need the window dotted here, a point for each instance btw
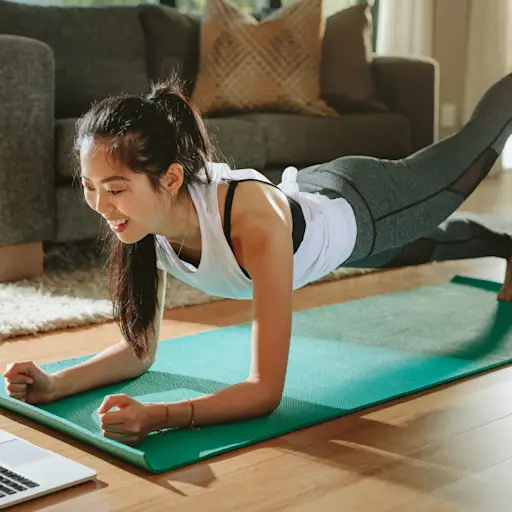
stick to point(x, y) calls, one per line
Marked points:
point(195, 7)
point(84, 3)
point(187, 6)
point(330, 6)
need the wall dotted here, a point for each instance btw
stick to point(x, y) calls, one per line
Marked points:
point(451, 19)
point(451, 22)
point(332, 6)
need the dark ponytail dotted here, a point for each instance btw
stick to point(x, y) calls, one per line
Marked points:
point(146, 135)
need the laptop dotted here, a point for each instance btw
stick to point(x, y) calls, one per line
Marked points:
point(28, 471)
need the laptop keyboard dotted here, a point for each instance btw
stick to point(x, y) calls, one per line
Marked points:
point(11, 483)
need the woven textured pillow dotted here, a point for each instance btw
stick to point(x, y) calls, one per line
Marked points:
point(273, 65)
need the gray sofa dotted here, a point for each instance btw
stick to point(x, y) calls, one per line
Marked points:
point(55, 61)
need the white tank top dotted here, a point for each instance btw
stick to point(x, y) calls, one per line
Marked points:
point(329, 237)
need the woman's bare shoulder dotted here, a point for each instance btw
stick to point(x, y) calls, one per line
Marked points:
point(257, 199)
point(259, 213)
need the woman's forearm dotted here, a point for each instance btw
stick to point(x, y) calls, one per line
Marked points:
point(241, 401)
point(114, 364)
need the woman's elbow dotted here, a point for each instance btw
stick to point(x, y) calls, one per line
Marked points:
point(146, 364)
point(266, 397)
point(271, 400)
point(273, 405)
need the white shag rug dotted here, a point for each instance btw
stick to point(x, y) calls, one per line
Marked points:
point(73, 291)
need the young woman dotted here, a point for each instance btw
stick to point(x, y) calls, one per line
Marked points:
point(146, 169)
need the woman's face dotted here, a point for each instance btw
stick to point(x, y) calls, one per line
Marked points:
point(126, 200)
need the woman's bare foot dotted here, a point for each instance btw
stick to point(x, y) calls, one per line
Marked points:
point(506, 290)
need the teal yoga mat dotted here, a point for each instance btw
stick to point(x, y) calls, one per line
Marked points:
point(343, 357)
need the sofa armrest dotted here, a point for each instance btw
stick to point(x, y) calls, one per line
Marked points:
point(27, 92)
point(409, 85)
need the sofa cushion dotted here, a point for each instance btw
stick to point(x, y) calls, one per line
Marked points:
point(98, 51)
point(302, 140)
point(172, 43)
point(240, 141)
point(346, 79)
point(273, 65)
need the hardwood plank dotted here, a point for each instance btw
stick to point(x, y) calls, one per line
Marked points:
point(485, 491)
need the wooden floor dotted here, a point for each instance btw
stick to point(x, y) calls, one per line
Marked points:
point(447, 450)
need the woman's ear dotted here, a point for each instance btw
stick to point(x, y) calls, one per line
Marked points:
point(173, 179)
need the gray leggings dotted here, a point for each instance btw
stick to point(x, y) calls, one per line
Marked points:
point(405, 208)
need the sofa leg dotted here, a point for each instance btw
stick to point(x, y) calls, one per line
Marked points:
point(22, 261)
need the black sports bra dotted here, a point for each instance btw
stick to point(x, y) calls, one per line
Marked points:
point(298, 219)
